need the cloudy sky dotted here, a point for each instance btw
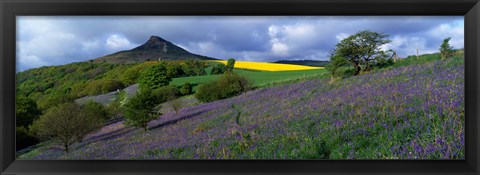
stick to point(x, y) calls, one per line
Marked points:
point(43, 41)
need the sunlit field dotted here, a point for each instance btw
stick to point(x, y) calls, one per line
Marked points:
point(264, 66)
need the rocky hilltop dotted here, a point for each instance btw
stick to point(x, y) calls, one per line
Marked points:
point(155, 48)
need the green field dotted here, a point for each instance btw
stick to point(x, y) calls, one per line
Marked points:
point(260, 78)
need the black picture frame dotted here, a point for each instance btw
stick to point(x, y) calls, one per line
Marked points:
point(9, 9)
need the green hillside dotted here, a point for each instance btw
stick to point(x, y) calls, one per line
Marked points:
point(386, 113)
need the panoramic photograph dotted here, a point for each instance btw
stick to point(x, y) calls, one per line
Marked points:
point(240, 87)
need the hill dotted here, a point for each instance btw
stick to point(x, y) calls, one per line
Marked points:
point(154, 49)
point(304, 62)
point(411, 111)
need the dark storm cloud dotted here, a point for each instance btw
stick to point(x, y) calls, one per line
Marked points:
point(59, 40)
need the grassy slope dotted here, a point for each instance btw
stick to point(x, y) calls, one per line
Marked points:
point(260, 78)
point(414, 111)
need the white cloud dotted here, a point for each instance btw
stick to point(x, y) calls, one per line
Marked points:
point(279, 49)
point(60, 40)
point(286, 40)
point(31, 60)
point(341, 36)
point(90, 45)
point(455, 30)
point(117, 43)
point(205, 48)
point(42, 43)
point(408, 45)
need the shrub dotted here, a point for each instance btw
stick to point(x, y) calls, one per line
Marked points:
point(232, 84)
point(207, 92)
point(186, 89)
point(165, 93)
point(229, 85)
point(65, 124)
point(140, 109)
point(383, 62)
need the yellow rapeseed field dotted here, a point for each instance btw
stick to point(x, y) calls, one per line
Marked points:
point(264, 66)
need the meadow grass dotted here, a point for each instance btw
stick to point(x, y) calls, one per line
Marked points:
point(260, 78)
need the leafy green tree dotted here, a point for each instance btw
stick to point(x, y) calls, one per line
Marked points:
point(445, 49)
point(154, 77)
point(244, 84)
point(361, 49)
point(140, 109)
point(26, 111)
point(65, 124)
point(230, 65)
point(334, 66)
point(230, 84)
point(94, 116)
point(207, 92)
